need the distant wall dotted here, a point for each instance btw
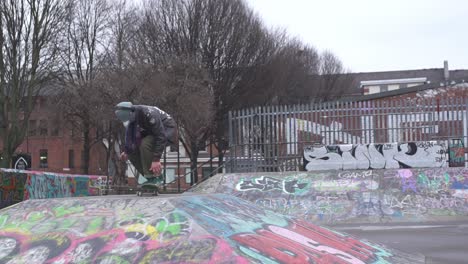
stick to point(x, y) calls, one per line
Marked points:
point(17, 185)
point(353, 196)
point(427, 154)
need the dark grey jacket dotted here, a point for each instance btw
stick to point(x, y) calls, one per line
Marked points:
point(154, 121)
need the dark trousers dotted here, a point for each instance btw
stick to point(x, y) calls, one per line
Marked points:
point(143, 157)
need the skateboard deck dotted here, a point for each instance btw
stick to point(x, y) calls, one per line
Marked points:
point(147, 189)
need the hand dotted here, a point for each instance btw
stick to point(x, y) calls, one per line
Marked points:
point(156, 168)
point(123, 156)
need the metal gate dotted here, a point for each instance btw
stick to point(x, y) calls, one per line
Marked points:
point(272, 138)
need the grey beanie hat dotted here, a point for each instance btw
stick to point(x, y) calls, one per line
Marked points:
point(124, 111)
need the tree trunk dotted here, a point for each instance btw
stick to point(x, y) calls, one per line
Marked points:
point(194, 163)
point(6, 156)
point(86, 147)
point(221, 146)
point(9, 147)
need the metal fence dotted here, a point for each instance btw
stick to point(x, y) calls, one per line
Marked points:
point(272, 138)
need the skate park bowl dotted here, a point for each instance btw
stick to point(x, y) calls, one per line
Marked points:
point(191, 228)
point(229, 218)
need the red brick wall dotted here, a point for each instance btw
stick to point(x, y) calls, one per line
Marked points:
point(58, 146)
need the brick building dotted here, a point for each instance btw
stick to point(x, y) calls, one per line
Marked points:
point(56, 147)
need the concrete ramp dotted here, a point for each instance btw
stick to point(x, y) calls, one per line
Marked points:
point(355, 196)
point(214, 228)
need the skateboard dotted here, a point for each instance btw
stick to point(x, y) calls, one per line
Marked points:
point(147, 188)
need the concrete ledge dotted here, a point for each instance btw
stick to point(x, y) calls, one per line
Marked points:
point(18, 185)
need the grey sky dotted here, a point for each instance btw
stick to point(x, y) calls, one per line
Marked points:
point(377, 35)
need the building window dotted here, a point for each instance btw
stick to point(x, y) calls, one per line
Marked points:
point(71, 159)
point(395, 87)
point(374, 89)
point(32, 128)
point(170, 175)
point(206, 172)
point(383, 88)
point(43, 128)
point(188, 175)
point(43, 158)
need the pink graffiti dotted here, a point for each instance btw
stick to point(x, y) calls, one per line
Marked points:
point(303, 242)
point(116, 243)
point(408, 182)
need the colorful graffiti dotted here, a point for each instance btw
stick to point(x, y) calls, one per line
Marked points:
point(266, 237)
point(354, 196)
point(456, 153)
point(376, 156)
point(193, 229)
point(17, 185)
point(103, 231)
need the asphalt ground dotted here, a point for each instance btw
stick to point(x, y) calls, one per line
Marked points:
point(444, 243)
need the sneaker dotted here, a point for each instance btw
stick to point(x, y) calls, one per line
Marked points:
point(154, 180)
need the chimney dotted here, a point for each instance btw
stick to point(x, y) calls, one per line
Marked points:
point(446, 71)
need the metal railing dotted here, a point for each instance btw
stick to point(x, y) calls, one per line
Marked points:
point(272, 138)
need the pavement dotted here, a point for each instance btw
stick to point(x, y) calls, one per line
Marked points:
point(441, 243)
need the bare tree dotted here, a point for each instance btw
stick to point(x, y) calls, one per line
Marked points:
point(119, 80)
point(235, 43)
point(28, 62)
point(85, 44)
point(333, 79)
point(186, 94)
point(241, 57)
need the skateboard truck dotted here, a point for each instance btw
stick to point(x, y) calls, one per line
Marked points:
point(146, 187)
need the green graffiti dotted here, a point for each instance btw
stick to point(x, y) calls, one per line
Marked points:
point(35, 216)
point(95, 225)
point(113, 259)
point(434, 185)
point(174, 224)
point(67, 223)
point(381, 254)
point(62, 211)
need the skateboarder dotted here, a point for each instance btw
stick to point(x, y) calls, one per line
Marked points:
point(148, 131)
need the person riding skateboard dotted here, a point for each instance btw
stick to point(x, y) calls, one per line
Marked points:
point(148, 130)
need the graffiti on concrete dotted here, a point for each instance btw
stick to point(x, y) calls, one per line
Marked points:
point(271, 238)
point(105, 231)
point(11, 188)
point(376, 156)
point(368, 196)
point(17, 185)
point(197, 229)
point(291, 186)
point(456, 153)
point(47, 185)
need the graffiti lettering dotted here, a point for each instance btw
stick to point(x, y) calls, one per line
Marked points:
point(263, 183)
point(375, 156)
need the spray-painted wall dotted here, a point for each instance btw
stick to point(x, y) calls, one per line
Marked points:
point(17, 185)
point(194, 229)
point(353, 196)
point(376, 156)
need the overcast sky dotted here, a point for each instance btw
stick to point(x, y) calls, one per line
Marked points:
point(377, 35)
